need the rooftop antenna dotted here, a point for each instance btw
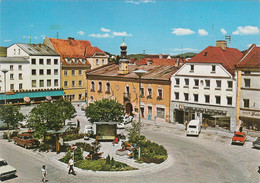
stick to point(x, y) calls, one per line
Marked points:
point(227, 37)
point(57, 35)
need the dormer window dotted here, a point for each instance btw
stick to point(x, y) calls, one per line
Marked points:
point(68, 60)
point(83, 61)
point(14, 51)
point(191, 68)
point(76, 61)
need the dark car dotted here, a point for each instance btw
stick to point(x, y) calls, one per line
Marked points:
point(256, 143)
point(26, 140)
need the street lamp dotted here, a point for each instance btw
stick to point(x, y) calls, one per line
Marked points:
point(5, 71)
point(139, 73)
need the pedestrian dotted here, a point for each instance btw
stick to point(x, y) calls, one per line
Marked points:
point(78, 123)
point(44, 173)
point(70, 166)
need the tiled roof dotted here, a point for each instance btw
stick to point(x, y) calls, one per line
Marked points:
point(251, 58)
point(228, 57)
point(157, 61)
point(154, 72)
point(37, 50)
point(13, 60)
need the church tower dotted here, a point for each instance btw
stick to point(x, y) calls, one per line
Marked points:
point(123, 62)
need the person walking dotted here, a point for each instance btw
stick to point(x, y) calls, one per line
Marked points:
point(70, 166)
point(44, 173)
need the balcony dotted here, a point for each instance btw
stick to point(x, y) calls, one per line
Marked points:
point(149, 96)
point(159, 97)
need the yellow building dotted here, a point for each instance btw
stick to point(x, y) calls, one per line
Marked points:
point(77, 56)
point(121, 83)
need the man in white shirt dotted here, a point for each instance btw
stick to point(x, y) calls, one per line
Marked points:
point(71, 164)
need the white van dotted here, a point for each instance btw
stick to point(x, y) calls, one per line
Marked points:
point(194, 128)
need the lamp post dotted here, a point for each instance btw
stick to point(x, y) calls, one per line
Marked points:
point(139, 73)
point(5, 71)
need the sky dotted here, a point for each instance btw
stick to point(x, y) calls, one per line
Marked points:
point(168, 27)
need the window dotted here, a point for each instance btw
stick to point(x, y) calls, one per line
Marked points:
point(177, 81)
point(186, 82)
point(196, 82)
point(55, 61)
point(191, 68)
point(56, 72)
point(99, 87)
point(160, 112)
point(80, 96)
point(19, 51)
point(80, 82)
point(65, 72)
point(177, 96)
point(186, 96)
point(196, 97)
point(73, 83)
point(65, 83)
point(12, 76)
point(48, 82)
point(246, 103)
point(20, 76)
point(91, 98)
point(68, 60)
point(160, 92)
point(218, 83)
point(207, 98)
point(14, 51)
point(207, 83)
point(20, 86)
point(20, 67)
point(41, 72)
point(229, 100)
point(33, 83)
point(103, 62)
point(33, 61)
point(11, 67)
point(73, 72)
point(149, 91)
point(80, 72)
point(92, 86)
point(48, 71)
point(56, 82)
point(11, 86)
point(213, 68)
point(41, 83)
point(83, 61)
point(230, 84)
point(41, 61)
point(108, 88)
point(97, 62)
point(217, 99)
point(76, 61)
point(247, 83)
point(142, 92)
point(48, 61)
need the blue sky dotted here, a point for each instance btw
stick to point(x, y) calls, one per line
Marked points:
point(169, 27)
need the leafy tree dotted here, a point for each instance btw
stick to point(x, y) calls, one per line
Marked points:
point(50, 116)
point(105, 110)
point(10, 115)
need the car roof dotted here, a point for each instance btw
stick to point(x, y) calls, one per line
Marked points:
point(194, 122)
point(240, 133)
point(2, 159)
point(24, 134)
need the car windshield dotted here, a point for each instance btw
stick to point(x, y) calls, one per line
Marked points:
point(192, 126)
point(3, 163)
point(237, 135)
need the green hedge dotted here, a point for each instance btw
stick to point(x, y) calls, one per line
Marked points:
point(74, 136)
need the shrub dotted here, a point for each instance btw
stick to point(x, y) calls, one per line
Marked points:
point(108, 160)
point(85, 146)
point(112, 161)
point(74, 136)
point(77, 155)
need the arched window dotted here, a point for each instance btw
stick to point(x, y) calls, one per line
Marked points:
point(100, 87)
point(92, 86)
point(108, 88)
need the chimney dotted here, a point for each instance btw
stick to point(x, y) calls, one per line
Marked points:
point(70, 38)
point(160, 56)
point(221, 44)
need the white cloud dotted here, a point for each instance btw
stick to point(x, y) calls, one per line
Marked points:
point(105, 30)
point(121, 34)
point(223, 31)
point(7, 40)
point(203, 32)
point(246, 30)
point(139, 1)
point(182, 31)
point(81, 33)
point(106, 35)
point(43, 36)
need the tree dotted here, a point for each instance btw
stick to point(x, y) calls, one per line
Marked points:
point(105, 110)
point(50, 116)
point(10, 115)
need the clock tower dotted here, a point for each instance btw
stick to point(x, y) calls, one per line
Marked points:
point(123, 62)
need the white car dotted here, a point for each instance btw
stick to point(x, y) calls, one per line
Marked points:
point(127, 119)
point(120, 125)
point(6, 170)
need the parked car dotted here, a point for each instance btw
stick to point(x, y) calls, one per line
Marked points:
point(127, 119)
point(72, 124)
point(120, 125)
point(6, 170)
point(256, 143)
point(26, 140)
point(239, 138)
point(194, 128)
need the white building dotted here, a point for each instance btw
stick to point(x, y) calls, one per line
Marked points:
point(204, 88)
point(45, 65)
point(248, 104)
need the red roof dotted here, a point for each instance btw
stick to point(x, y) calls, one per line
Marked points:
point(251, 58)
point(228, 57)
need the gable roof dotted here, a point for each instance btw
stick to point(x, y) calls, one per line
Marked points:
point(158, 61)
point(37, 49)
point(228, 57)
point(251, 58)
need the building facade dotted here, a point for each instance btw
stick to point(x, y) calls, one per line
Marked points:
point(77, 56)
point(204, 88)
point(248, 100)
